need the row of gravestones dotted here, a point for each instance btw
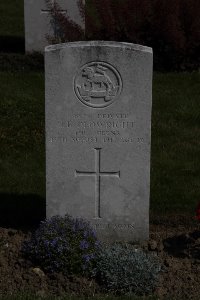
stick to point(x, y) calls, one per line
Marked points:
point(98, 125)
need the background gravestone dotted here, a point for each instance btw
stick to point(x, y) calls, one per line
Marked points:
point(98, 120)
point(37, 21)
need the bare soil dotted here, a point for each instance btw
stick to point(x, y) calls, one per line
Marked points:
point(175, 239)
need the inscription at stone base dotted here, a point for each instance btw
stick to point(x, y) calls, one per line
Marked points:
point(114, 226)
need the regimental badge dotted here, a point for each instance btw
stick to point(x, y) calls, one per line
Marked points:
point(97, 84)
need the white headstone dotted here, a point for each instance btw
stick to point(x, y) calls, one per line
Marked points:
point(38, 25)
point(98, 121)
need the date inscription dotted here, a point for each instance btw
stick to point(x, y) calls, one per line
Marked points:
point(103, 128)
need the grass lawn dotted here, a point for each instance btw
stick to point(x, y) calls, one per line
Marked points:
point(22, 133)
point(12, 18)
point(22, 151)
point(12, 26)
point(175, 170)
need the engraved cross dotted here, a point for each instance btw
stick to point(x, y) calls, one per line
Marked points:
point(97, 174)
point(46, 11)
point(53, 21)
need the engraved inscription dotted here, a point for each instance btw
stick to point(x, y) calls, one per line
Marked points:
point(103, 116)
point(97, 84)
point(94, 139)
point(102, 226)
point(99, 129)
point(97, 174)
point(97, 124)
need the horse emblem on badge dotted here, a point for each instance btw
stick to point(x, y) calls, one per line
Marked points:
point(97, 84)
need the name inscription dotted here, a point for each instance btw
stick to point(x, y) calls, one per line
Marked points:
point(106, 128)
point(97, 124)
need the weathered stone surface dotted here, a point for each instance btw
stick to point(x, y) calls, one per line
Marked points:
point(98, 120)
point(37, 22)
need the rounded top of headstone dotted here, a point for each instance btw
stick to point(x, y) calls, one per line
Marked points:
point(127, 46)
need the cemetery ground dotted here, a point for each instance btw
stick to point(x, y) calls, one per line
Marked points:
point(175, 174)
point(174, 234)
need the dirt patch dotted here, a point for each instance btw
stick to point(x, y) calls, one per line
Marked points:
point(178, 247)
point(175, 240)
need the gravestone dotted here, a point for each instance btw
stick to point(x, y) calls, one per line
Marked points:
point(38, 25)
point(98, 120)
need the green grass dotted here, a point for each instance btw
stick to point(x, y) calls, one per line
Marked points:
point(175, 170)
point(12, 18)
point(22, 154)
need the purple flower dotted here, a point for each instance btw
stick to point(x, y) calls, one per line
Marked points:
point(93, 233)
point(86, 234)
point(86, 258)
point(84, 245)
point(97, 244)
point(54, 243)
point(57, 243)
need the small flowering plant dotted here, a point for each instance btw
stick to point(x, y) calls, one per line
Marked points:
point(63, 244)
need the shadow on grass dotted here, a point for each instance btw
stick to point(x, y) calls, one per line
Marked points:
point(12, 44)
point(21, 211)
point(17, 62)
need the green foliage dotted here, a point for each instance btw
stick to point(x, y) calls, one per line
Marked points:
point(63, 244)
point(126, 270)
